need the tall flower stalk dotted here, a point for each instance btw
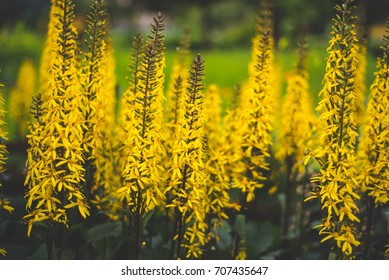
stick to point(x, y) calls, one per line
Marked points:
point(107, 177)
point(47, 62)
point(255, 118)
point(20, 97)
point(361, 63)
point(4, 202)
point(217, 199)
point(142, 147)
point(99, 107)
point(175, 97)
point(373, 153)
point(187, 180)
point(55, 171)
point(336, 184)
point(297, 126)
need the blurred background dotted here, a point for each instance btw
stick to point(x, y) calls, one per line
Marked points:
point(219, 28)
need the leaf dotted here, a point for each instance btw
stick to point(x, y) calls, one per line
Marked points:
point(240, 225)
point(386, 213)
point(272, 255)
point(224, 234)
point(3, 227)
point(99, 232)
point(40, 253)
point(146, 218)
point(332, 256)
point(259, 246)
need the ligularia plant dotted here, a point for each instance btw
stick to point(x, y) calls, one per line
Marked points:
point(142, 122)
point(4, 202)
point(55, 163)
point(336, 184)
point(187, 180)
point(374, 146)
point(20, 97)
point(187, 172)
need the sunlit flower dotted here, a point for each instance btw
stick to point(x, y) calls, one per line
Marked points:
point(21, 95)
point(187, 178)
point(336, 179)
point(55, 170)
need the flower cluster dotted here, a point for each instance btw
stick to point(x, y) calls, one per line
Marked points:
point(4, 203)
point(187, 180)
point(21, 95)
point(336, 180)
point(256, 120)
point(172, 170)
point(296, 130)
point(374, 157)
point(55, 160)
point(142, 123)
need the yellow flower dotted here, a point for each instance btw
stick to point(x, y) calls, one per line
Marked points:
point(256, 111)
point(336, 183)
point(55, 170)
point(3, 133)
point(141, 127)
point(346, 240)
point(373, 153)
point(3, 252)
point(21, 95)
point(98, 80)
point(4, 203)
point(187, 178)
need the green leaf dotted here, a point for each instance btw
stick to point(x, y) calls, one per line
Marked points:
point(40, 253)
point(386, 213)
point(240, 225)
point(224, 233)
point(99, 232)
point(3, 227)
point(332, 256)
point(259, 246)
point(146, 218)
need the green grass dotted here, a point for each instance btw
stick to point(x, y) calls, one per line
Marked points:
point(17, 44)
point(226, 68)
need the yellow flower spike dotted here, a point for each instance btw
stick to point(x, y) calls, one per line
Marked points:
point(21, 95)
point(98, 80)
point(57, 112)
point(141, 127)
point(188, 192)
point(373, 154)
point(4, 203)
point(256, 107)
point(337, 110)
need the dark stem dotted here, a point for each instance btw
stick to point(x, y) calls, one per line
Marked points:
point(289, 186)
point(180, 230)
point(49, 242)
point(370, 210)
point(179, 233)
point(137, 225)
point(305, 185)
point(235, 235)
point(174, 233)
